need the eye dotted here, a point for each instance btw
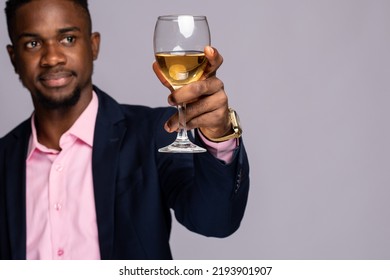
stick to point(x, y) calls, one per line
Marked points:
point(68, 40)
point(32, 44)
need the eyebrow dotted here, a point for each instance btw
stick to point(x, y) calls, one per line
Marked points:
point(69, 29)
point(60, 31)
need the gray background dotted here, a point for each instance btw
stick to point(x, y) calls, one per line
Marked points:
point(310, 80)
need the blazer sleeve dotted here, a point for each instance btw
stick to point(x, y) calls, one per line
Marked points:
point(208, 196)
point(4, 241)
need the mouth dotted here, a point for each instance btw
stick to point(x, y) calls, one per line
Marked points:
point(56, 79)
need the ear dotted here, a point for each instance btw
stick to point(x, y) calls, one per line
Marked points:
point(95, 44)
point(11, 53)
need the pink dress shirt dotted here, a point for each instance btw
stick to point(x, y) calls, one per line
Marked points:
point(60, 205)
point(61, 216)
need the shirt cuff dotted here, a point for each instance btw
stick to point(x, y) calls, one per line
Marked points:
point(221, 150)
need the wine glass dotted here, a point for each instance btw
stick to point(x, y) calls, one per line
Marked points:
point(179, 42)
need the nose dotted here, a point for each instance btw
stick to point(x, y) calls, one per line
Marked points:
point(52, 55)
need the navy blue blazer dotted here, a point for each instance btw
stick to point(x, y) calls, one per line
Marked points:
point(134, 185)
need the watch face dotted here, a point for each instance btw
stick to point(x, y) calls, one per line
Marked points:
point(235, 119)
point(235, 123)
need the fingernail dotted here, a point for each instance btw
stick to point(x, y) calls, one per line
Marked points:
point(166, 127)
point(170, 101)
point(211, 50)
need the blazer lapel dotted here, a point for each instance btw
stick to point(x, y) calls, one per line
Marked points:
point(109, 132)
point(16, 191)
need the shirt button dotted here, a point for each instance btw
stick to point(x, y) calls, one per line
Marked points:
point(60, 252)
point(59, 168)
point(57, 206)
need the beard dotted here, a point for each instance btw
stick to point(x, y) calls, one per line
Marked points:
point(53, 104)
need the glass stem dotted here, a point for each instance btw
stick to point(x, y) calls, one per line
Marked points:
point(182, 133)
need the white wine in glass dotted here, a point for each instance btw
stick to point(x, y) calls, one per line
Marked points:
point(179, 42)
point(181, 68)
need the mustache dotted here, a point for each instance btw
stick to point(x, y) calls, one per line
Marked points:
point(54, 74)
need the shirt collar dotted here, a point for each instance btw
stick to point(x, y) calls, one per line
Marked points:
point(84, 126)
point(83, 129)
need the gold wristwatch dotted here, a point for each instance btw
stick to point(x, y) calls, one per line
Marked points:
point(237, 130)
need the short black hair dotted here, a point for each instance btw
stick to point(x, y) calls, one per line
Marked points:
point(12, 5)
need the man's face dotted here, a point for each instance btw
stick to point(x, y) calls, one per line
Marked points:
point(53, 51)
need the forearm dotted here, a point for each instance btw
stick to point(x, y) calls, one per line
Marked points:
point(214, 205)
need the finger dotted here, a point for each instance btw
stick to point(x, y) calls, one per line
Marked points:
point(217, 123)
point(195, 91)
point(160, 76)
point(209, 111)
point(215, 60)
point(172, 124)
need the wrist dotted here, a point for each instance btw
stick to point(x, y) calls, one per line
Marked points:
point(234, 129)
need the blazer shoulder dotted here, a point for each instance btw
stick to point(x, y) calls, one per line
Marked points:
point(22, 130)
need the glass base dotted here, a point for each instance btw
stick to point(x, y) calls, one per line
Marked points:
point(182, 147)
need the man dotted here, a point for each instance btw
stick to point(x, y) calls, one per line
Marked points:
point(82, 178)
